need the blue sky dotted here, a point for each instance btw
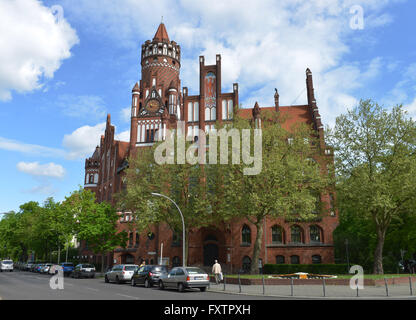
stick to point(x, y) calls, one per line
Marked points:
point(65, 64)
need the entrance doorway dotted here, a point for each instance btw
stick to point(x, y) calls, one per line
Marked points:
point(127, 259)
point(210, 250)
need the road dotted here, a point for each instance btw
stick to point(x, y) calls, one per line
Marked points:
point(33, 286)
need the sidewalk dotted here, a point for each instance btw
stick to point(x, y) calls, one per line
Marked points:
point(317, 292)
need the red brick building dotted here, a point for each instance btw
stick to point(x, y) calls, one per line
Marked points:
point(157, 105)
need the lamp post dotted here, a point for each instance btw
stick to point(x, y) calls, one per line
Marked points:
point(183, 225)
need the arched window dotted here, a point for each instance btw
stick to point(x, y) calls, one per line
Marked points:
point(315, 234)
point(280, 259)
point(277, 234)
point(176, 262)
point(246, 235)
point(294, 260)
point(296, 235)
point(246, 264)
point(316, 259)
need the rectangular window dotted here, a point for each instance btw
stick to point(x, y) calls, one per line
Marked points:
point(196, 111)
point(230, 109)
point(224, 110)
point(190, 114)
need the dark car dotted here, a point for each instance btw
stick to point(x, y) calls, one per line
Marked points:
point(83, 270)
point(148, 275)
point(67, 268)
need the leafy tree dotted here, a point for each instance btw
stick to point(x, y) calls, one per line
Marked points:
point(289, 185)
point(376, 166)
point(180, 182)
point(95, 222)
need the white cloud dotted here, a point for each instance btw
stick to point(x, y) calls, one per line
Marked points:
point(33, 44)
point(125, 114)
point(51, 170)
point(123, 136)
point(82, 142)
point(32, 149)
point(264, 44)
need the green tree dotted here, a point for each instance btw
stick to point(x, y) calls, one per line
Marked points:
point(180, 182)
point(289, 185)
point(376, 166)
point(95, 222)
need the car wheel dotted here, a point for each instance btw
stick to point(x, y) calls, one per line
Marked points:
point(203, 289)
point(180, 287)
point(106, 279)
point(161, 286)
point(133, 282)
point(118, 280)
point(93, 276)
point(147, 283)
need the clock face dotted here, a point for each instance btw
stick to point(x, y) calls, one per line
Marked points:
point(153, 105)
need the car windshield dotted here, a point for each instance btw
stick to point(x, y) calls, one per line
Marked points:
point(159, 269)
point(67, 264)
point(195, 271)
point(87, 266)
point(130, 268)
point(7, 262)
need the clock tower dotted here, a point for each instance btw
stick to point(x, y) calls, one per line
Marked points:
point(158, 92)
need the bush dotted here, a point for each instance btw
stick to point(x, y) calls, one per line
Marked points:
point(307, 268)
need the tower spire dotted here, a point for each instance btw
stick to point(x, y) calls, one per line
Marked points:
point(161, 33)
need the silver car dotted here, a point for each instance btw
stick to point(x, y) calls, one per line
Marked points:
point(45, 268)
point(182, 278)
point(6, 265)
point(121, 273)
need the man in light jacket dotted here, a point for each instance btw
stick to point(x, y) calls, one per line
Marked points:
point(216, 270)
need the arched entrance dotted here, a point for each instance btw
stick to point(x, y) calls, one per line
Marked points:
point(210, 250)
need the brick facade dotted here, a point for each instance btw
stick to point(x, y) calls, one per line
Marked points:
point(158, 104)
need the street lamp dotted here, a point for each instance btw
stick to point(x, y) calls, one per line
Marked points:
point(183, 225)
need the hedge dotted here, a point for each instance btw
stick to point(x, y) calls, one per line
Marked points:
point(307, 268)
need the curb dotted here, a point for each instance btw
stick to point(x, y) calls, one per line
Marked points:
point(313, 298)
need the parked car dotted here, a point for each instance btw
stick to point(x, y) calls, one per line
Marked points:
point(83, 270)
point(28, 266)
point(6, 265)
point(148, 275)
point(34, 267)
point(121, 273)
point(38, 267)
point(54, 269)
point(68, 268)
point(182, 278)
point(45, 268)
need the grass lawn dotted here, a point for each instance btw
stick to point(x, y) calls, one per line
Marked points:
point(342, 276)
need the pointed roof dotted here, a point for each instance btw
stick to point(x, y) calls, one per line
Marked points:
point(161, 34)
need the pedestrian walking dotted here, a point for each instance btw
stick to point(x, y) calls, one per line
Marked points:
point(216, 270)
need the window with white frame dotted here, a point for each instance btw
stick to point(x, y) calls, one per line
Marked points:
point(227, 109)
point(193, 111)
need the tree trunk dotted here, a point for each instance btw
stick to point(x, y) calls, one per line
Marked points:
point(254, 268)
point(378, 254)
